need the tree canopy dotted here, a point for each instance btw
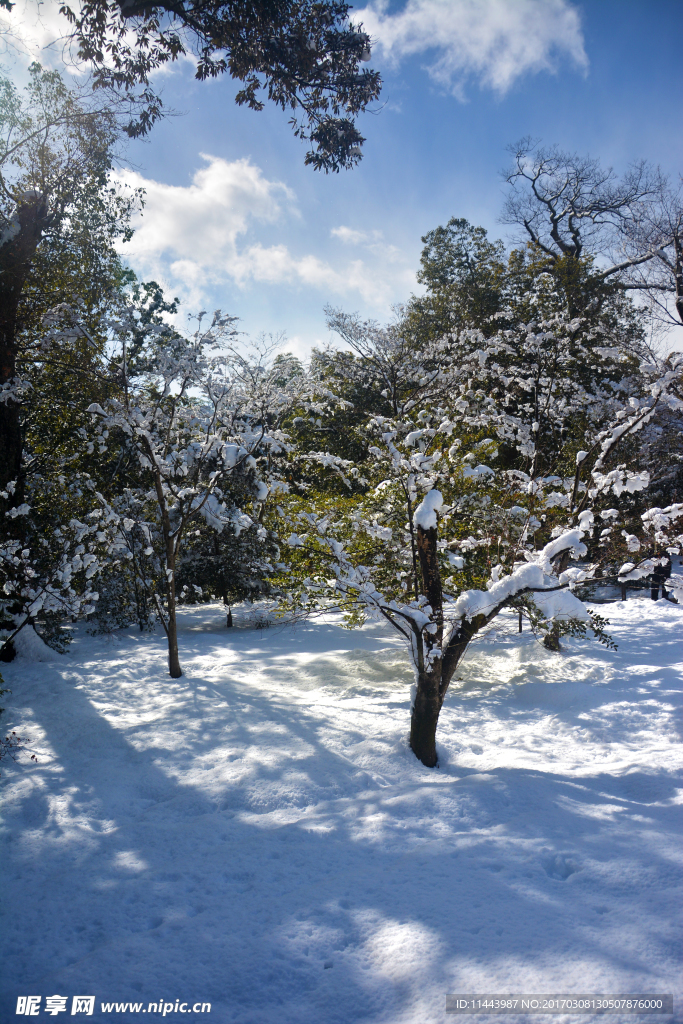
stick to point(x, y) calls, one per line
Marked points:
point(304, 56)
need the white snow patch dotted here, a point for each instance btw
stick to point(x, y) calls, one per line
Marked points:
point(425, 513)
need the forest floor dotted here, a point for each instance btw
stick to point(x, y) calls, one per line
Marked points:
point(257, 834)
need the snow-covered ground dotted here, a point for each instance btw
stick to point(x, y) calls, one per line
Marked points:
point(257, 835)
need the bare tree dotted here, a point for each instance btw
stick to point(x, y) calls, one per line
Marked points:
point(574, 210)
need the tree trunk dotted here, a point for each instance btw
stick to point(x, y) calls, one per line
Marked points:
point(22, 236)
point(678, 272)
point(172, 632)
point(431, 576)
point(428, 699)
point(174, 668)
point(425, 716)
point(170, 546)
point(435, 661)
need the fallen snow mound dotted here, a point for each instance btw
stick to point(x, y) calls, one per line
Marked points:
point(30, 647)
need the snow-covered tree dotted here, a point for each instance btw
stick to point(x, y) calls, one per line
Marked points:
point(53, 545)
point(445, 531)
point(59, 219)
point(198, 415)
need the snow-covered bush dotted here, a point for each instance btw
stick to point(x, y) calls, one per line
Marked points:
point(48, 561)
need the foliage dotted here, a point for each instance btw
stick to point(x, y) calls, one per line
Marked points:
point(60, 219)
point(303, 55)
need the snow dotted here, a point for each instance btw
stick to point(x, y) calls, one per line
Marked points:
point(425, 513)
point(257, 834)
point(29, 647)
point(569, 539)
point(477, 602)
point(561, 604)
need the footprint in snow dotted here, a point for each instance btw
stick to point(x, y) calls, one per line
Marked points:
point(559, 866)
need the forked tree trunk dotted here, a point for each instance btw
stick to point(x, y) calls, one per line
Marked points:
point(434, 677)
point(428, 699)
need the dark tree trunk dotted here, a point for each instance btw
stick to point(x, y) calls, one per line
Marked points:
point(436, 661)
point(16, 253)
point(431, 575)
point(425, 716)
point(171, 545)
point(222, 590)
point(174, 669)
point(428, 699)
point(678, 273)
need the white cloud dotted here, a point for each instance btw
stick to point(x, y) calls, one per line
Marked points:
point(193, 238)
point(373, 241)
point(201, 222)
point(494, 41)
point(352, 237)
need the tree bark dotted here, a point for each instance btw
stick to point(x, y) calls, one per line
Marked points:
point(174, 669)
point(22, 237)
point(428, 700)
point(678, 272)
point(431, 575)
point(425, 716)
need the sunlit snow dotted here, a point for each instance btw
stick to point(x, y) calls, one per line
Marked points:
point(257, 834)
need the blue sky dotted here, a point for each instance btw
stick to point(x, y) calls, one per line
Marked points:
point(235, 220)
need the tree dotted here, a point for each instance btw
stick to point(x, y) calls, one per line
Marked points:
point(304, 55)
point(438, 542)
point(465, 276)
point(569, 208)
point(48, 573)
point(59, 219)
point(191, 422)
point(57, 537)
